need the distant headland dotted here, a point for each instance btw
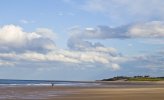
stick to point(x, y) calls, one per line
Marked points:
point(134, 78)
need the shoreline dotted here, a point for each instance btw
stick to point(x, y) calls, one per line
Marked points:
point(106, 91)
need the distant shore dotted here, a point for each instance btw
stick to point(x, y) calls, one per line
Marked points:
point(134, 78)
point(110, 90)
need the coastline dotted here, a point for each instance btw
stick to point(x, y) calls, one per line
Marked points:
point(105, 91)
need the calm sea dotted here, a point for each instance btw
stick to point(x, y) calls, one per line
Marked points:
point(10, 82)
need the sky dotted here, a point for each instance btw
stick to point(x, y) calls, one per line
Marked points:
point(81, 39)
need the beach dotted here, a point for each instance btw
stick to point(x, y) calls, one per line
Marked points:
point(102, 91)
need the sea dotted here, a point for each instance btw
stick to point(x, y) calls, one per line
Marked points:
point(12, 82)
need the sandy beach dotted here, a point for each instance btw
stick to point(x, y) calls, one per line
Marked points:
point(135, 91)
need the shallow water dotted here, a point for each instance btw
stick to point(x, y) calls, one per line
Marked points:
point(14, 83)
point(31, 92)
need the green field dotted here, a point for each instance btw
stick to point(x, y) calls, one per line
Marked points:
point(145, 79)
point(135, 78)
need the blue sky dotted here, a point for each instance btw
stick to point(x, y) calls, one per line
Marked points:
point(81, 39)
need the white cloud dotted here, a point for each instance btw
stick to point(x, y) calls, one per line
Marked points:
point(46, 33)
point(33, 56)
point(12, 36)
point(8, 55)
point(150, 29)
point(62, 56)
point(70, 57)
point(50, 46)
point(102, 49)
point(86, 58)
point(115, 66)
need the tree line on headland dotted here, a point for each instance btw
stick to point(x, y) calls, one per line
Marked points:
point(134, 78)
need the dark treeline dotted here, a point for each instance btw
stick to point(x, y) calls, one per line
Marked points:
point(134, 78)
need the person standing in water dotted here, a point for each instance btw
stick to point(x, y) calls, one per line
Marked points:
point(52, 84)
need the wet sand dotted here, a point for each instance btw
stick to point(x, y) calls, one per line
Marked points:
point(117, 94)
point(105, 91)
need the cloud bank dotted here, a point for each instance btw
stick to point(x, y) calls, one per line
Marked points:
point(80, 40)
point(18, 46)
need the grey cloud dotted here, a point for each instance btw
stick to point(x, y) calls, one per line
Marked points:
point(79, 39)
point(79, 44)
point(39, 45)
point(153, 29)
